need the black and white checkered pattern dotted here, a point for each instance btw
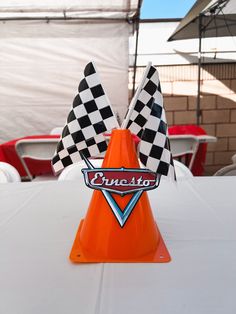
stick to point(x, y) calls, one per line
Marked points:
point(148, 121)
point(154, 150)
point(90, 117)
point(143, 105)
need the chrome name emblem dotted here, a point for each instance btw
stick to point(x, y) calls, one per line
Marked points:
point(120, 181)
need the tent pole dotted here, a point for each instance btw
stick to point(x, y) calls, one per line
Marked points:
point(135, 57)
point(199, 70)
point(137, 21)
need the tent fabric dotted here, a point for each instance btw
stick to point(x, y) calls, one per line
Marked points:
point(41, 65)
point(118, 9)
point(214, 25)
point(45, 46)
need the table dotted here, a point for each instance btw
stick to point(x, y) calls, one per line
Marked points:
point(38, 223)
point(8, 154)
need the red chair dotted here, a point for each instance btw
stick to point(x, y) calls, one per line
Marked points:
point(200, 157)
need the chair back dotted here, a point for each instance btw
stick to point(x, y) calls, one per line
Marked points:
point(234, 159)
point(73, 172)
point(10, 172)
point(38, 149)
point(181, 170)
point(56, 131)
point(183, 145)
point(229, 170)
point(3, 177)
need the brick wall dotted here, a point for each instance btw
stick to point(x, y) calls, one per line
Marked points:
point(218, 105)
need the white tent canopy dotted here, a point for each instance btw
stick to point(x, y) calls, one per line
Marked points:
point(116, 9)
point(42, 61)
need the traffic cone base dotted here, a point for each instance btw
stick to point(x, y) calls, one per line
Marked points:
point(104, 235)
point(78, 253)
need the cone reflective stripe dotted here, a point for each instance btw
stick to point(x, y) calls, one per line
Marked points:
point(100, 238)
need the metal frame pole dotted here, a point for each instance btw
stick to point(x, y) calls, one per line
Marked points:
point(198, 109)
point(135, 57)
point(137, 21)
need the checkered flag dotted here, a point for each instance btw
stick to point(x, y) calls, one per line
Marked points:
point(148, 121)
point(141, 105)
point(91, 115)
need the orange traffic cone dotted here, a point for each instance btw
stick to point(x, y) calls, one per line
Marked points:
point(100, 238)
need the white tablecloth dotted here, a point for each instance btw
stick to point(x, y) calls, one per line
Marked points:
point(38, 223)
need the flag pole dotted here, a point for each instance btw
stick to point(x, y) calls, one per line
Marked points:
point(134, 99)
